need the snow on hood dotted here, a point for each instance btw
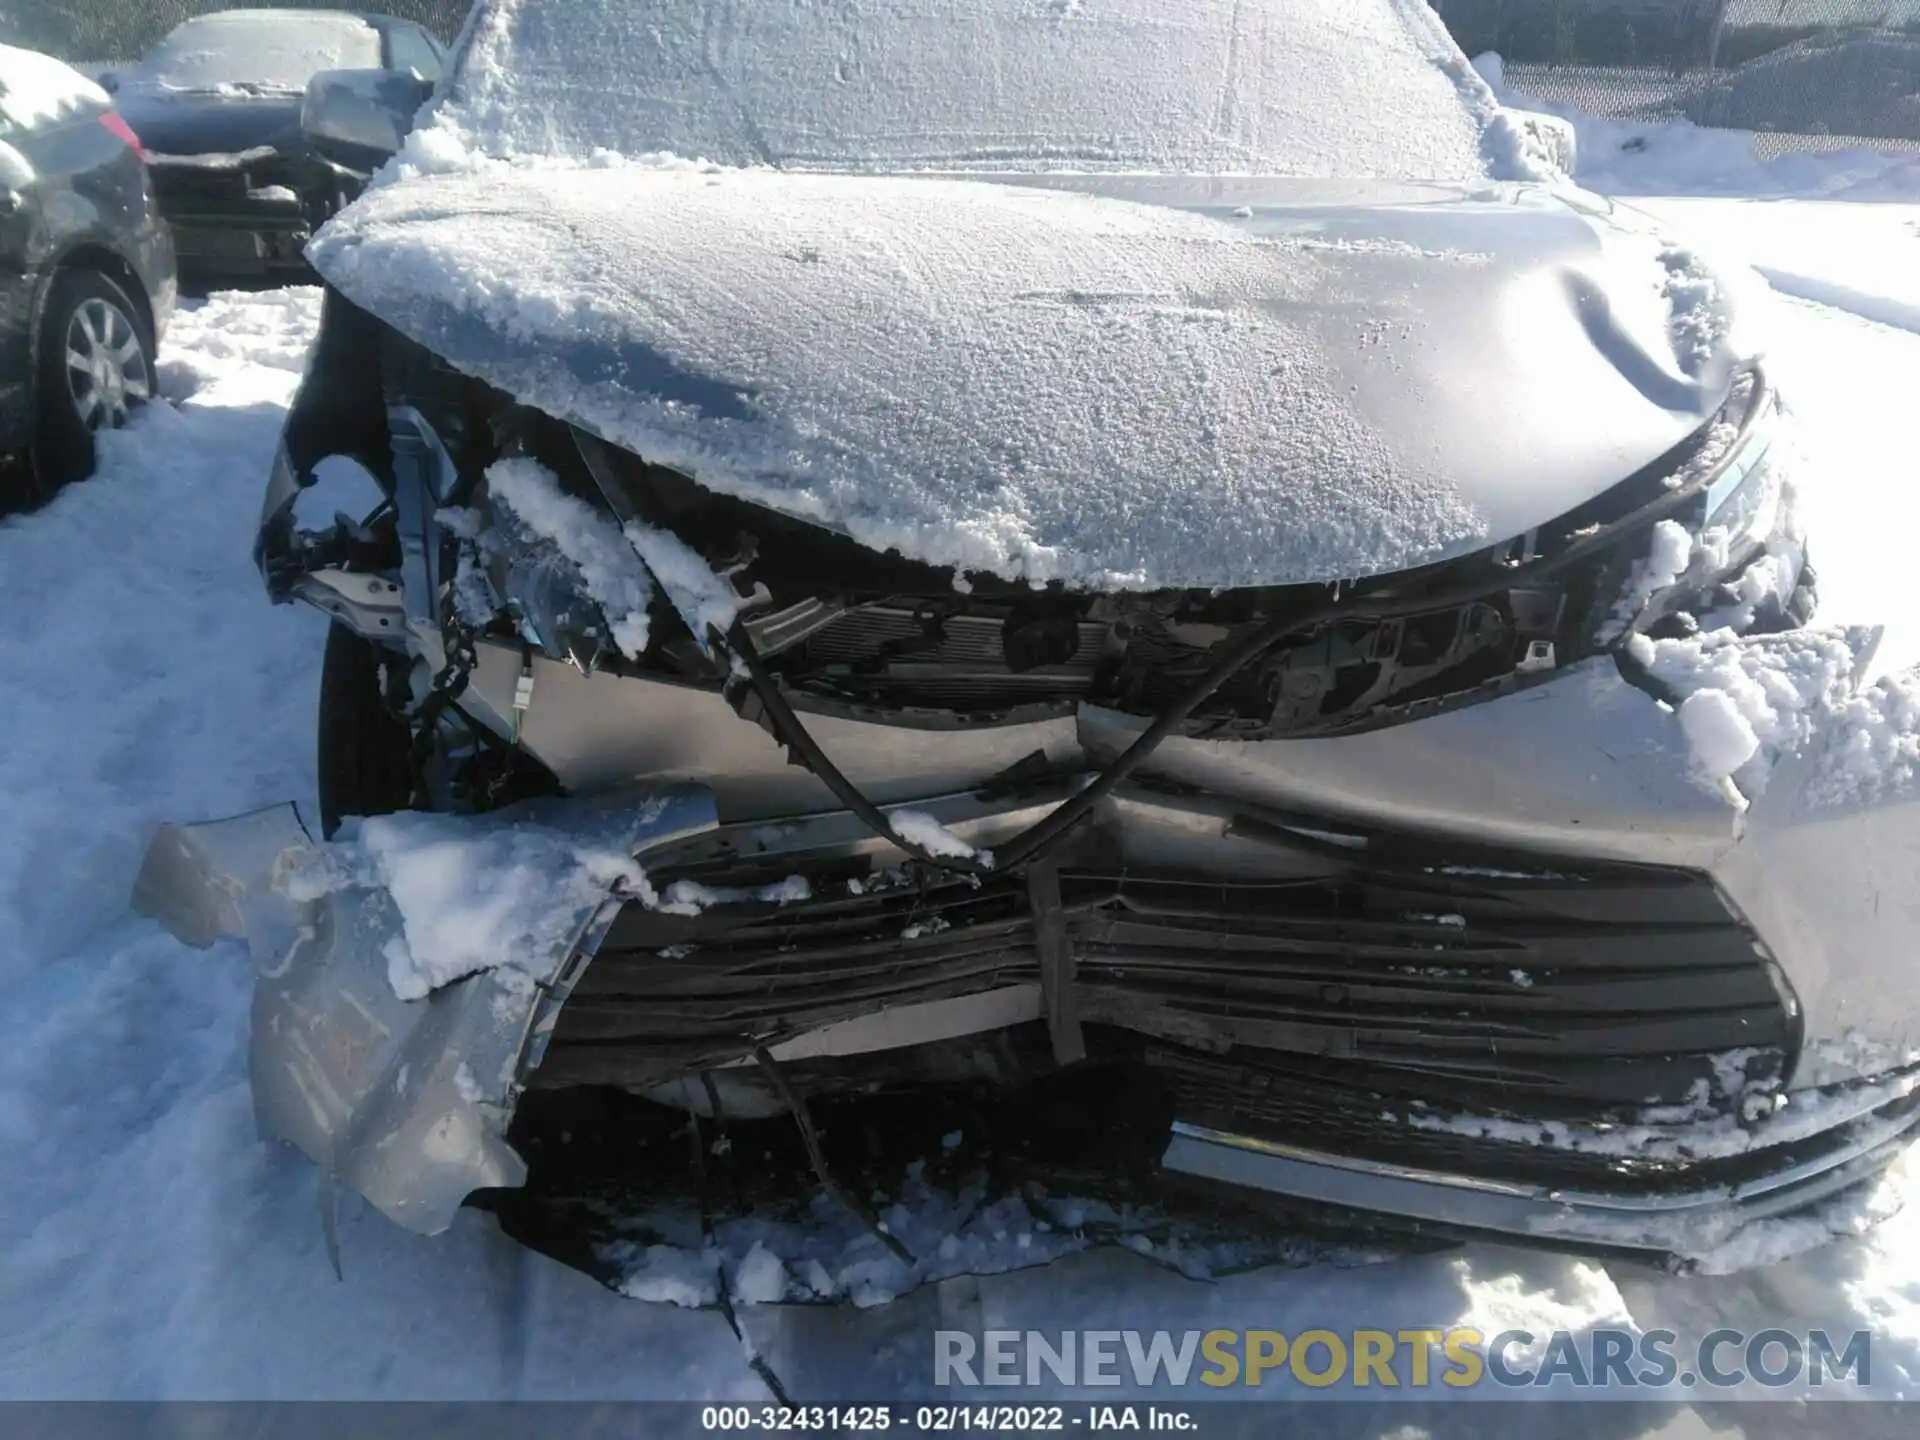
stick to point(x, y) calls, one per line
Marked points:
point(242, 51)
point(36, 88)
point(1113, 382)
point(1286, 87)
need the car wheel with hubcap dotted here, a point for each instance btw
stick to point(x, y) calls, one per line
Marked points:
point(96, 368)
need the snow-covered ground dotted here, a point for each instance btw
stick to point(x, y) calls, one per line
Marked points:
point(154, 1248)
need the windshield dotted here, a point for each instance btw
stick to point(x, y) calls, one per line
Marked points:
point(1361, 88)
point(273, 50)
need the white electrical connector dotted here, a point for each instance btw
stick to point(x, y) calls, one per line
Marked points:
point(1539, 657)
point(522, 697)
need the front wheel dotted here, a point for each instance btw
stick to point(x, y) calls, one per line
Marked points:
point(96, 368)
point(364, 751)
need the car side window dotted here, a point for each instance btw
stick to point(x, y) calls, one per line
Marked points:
point(410, 48)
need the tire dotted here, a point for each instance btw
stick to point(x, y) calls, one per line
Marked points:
point(364, 753)
point(96, 367)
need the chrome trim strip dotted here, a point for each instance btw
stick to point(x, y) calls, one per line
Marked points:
point(1413, 1192)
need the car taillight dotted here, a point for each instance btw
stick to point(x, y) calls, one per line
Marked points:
point(114, 121)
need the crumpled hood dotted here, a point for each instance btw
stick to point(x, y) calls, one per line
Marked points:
point(1110, 381)
point(186, 124)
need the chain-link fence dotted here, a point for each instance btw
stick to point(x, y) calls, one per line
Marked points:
point(1804, 74)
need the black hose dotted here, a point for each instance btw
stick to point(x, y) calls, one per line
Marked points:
point(786, 725)
point(1048, 830)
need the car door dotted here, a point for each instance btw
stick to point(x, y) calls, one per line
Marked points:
point(68, 178)
point(410, 48)
point(19, 278)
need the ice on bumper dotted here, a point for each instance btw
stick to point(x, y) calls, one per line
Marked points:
point(473, 895)
point(397, 1093)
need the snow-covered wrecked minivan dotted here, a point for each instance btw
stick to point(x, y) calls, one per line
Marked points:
point(1149, 551)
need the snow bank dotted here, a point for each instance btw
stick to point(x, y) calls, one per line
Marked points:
point(1289, 87)
point(36, 88)
point(475, 893)
point(1636, 157)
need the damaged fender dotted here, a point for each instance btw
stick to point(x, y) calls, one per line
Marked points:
point(405, 1101)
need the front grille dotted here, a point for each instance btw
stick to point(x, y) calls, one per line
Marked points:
point(1553, 987)
point(215, 207)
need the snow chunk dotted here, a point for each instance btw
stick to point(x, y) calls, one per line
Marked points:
point(610, 568)
point(690, 897)
point(1669, 553)
point(1513, 149)
point(760, 1278)
point(1700, 315)
point(671, 1276)
point(706, 601)
point(1745, 703)
point(465, 1082)
point(1873, 755)
point(1722, 738)
point(35, 88)
point(918, 828)
point(474, 893)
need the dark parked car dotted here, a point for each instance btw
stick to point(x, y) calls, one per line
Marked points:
point(219, 103)
point(86, 273)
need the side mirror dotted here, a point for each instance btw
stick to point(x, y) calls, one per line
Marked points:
point(365, 113)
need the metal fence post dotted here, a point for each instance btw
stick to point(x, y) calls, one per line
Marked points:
point(1713, 34)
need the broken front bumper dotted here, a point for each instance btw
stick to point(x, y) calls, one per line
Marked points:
point(249, 214)
point(1400, 971)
